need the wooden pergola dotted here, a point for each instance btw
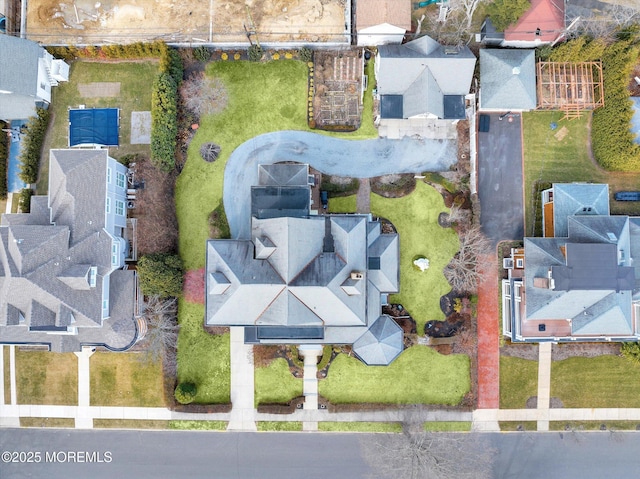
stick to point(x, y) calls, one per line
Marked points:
point(570, 86)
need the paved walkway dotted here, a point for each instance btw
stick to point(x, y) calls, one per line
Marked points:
point(242, 383)
point(488, 334)
point(310, 352)
point(363, 197)
point(544, 382)
point(84, 420)
point(333, 156)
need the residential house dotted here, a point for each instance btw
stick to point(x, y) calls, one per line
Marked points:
point(27, 73)
point(578, 282)
point(64, 281)
point(543, 23)
point(380, 22)
point(423, 80)
point(507, 80)
point(305, 279)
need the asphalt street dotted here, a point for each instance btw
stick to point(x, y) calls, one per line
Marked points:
point(500, 179)
point(226, 455)
point(333, 156)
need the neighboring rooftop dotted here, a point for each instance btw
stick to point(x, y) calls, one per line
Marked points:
point(542, 23)
point(376, 12)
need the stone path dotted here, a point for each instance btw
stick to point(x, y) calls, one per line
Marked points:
point(488, 334)
point(363, 197)
point(544, 382)
point(242, 383)
point(310, 352)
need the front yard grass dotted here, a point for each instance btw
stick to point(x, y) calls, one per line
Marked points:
point(57, 422)
point(279, 426)
point(548, 159)
point(276, 384)
point(43, 377)
point(518, 382)
point(602, 381)
point(415, 217)
point(360, 426)
point(418, 376)
point(203, 358)
point(135, 80)
point(447, 426)
point(123, 379)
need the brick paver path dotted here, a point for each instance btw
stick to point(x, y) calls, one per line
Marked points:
point(488, 331)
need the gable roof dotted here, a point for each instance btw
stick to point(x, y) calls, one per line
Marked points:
point(423, 72)
point(546, 15)
point(19, 75)
point(375, 12)
point(572, 199)
point(507, 79)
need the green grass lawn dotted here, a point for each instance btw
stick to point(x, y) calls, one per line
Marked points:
point(43, 377)
point(203, 358)
point(57, 422)
point(123, 379)
point(418, 376)
point(518, 382)
point(135, 95)
point(7, 375)
point(416, 218)
point(199, 425)
point(276, 384)
point(548, 159)
point(447, 426)
point(360, 426)
point(279, 426)
point(603, 381)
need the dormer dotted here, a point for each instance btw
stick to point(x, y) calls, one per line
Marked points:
point(218, 283)
point(264, 247)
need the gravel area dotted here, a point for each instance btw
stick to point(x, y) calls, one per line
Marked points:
point(561, 351)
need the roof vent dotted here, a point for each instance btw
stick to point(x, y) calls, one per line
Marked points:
point(451, 50)
point(541, 283)
point(356, 275)
point(516, 70)
point(611, 236)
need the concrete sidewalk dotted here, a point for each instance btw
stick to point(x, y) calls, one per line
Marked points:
point(242, 383)
point(84, 420)
point(544, 382)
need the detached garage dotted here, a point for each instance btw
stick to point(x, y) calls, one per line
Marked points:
point(94, 127)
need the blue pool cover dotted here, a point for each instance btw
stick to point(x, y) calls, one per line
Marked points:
point(94, 126)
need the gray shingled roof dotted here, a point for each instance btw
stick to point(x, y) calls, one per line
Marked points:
point(507, 79)
point(44, 268)
point(423, 71)
point(283, 175)
point(381, 344)
point(18, 75)
point(571, 199)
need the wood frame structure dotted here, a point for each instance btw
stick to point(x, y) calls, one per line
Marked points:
point(570, 86)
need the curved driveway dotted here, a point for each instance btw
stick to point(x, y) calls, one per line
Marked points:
point(332, 156)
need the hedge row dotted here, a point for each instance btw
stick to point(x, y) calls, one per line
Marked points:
point(611, 137)
point(164, 122)
point(131, 50)
point(32, 146)
point(24, 200)
point(4, 156)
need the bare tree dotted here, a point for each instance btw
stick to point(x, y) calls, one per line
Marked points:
point(605, 24)
point(161, 338)
point(203, 95)
point(418, 454)
point(467, 7)
point(462, 271)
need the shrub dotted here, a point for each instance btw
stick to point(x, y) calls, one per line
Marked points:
point(32, 146)
point(631, 351)
point(24, 200)
point(305, 54)
point(131, 50)
point(194, 286)
point(161, 274)
point(4, 156)
point(164, 122)
point(506, 12)
point(203, 95)
point(171, 63)
point(186, 393)
point(202, 54)
point(210, 152)
point(255, 53)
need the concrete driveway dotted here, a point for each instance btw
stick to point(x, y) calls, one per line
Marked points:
point(500, 179)
point(333, 156)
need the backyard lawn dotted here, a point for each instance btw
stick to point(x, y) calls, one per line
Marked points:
point(551, 157)
point(518, 382)
point(603, 381)
point(135, 95)
point(419, 376)
point(415, 217)
point(43, 377)
point(122, 379)
point(276, 384)
point(203, 358)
